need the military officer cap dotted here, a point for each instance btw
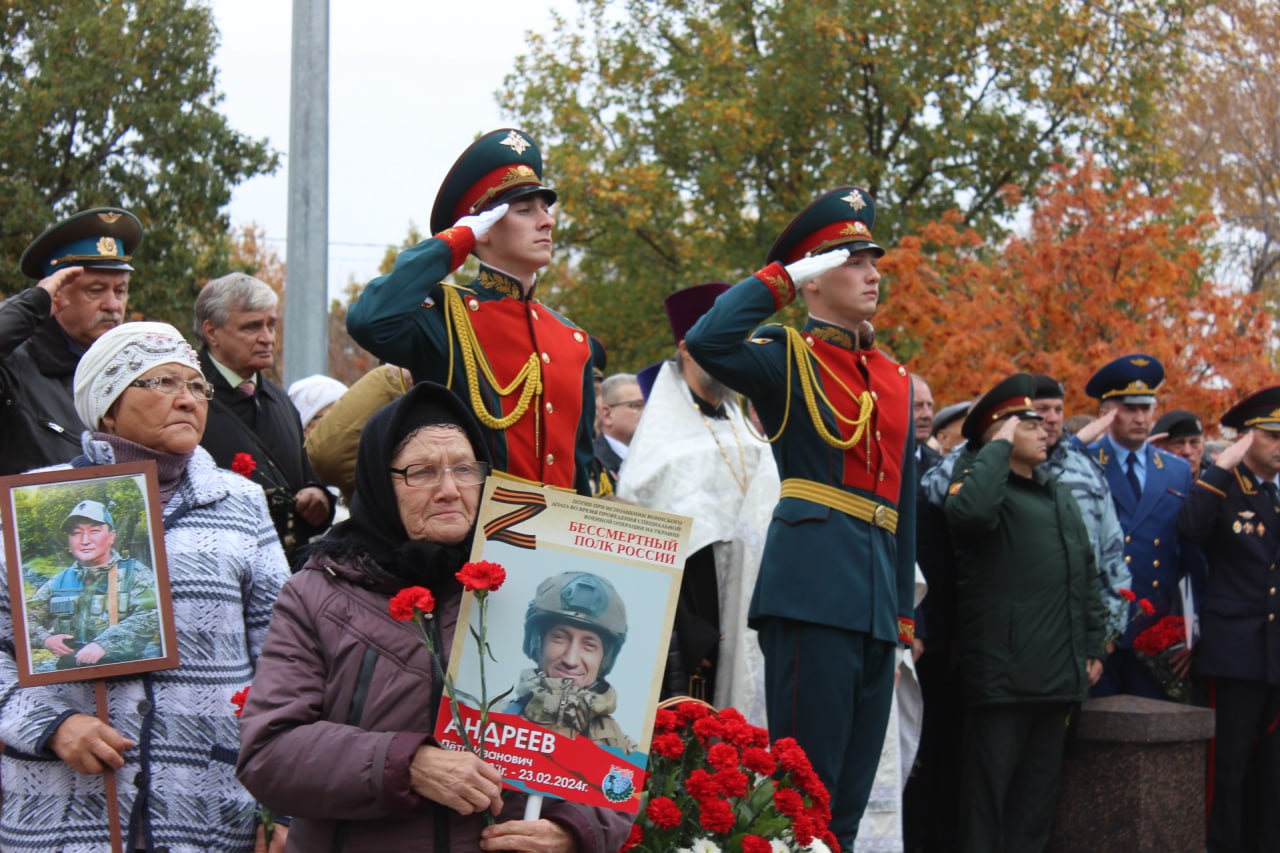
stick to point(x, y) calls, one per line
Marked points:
point(1257, 411)
point(497, 168)
point(102, 238)
point(948, 415)
point(1047, 388)
point(88, 511)
point(839, 219)
point(1012, 397)
point(1178, 423)
point(685, 307)
point(1129, 379)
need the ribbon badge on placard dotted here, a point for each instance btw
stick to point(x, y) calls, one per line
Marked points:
point(528, 504)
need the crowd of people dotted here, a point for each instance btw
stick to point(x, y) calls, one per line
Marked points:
point(826, 495)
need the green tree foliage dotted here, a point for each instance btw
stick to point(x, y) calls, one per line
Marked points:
point(683, 134)
point(41, 510)
point(115, 102)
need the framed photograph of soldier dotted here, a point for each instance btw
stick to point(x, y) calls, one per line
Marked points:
point(88, 581)
point(577, 638)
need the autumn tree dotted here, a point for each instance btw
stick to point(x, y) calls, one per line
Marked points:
point(1106, 269)
point(683, 134)
point(1227, 130)
point(115, 102)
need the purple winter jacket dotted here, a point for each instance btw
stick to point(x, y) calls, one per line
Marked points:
point(341, 700)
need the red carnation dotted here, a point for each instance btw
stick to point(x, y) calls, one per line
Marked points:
point(789, 802)
point(1146, 607)
point(755, 844)
point(758, 760)
point(665, 720)
point(701, 785)
point(732, 782)
point(690, 711)
point(634, 838)
point(716, 815)
point(664, 813)
point(667, 745)
point(482, 576)
point(404, 602)
point(708, 729)
point(803, 830)
point(722, 756)
point(1127, 594)
point(244, 464)
point(239, 698)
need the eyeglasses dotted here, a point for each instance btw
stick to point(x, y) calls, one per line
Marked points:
point(633, 405)
point(173, 385)
point(428, 476)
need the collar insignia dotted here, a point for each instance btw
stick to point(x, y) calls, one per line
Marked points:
point(833, 335)
point(496, 281)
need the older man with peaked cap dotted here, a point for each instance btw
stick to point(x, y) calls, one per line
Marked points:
point(82, 267)
point(1234, 512)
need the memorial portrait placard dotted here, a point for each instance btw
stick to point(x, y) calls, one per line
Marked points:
point(578, 638)
point(88, 578)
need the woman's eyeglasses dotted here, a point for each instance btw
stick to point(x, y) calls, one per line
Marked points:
point(173, 385)
point(427, 476)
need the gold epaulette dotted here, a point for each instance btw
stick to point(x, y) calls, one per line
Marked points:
point(528, 381)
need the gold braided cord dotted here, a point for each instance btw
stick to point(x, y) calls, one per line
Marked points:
point(528, 380)
point(812, 391)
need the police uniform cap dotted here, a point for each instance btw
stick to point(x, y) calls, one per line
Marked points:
point(1012, 397)
point(88, 511)
point(839, 219)
point(101, 238)
point(948, 415)
point(1260, 410)
point(1178, 423)
point(499, 167)
point(1130, 379)
point(685, 307)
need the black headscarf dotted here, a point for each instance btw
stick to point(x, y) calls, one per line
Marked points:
point(374, 531)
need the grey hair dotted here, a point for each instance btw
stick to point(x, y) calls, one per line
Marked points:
point(236, 291)
point(614, 382)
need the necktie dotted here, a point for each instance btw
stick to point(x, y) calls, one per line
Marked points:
point(1132, 475)
point(1272, 494)
point(247, 388)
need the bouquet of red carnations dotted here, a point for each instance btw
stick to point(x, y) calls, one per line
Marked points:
point(716, 785)
point(1156, 647)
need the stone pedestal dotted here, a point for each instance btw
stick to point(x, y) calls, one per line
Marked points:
point(1135, 779)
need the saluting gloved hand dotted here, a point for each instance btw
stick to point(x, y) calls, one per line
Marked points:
point(483, 221)
point(807, 269)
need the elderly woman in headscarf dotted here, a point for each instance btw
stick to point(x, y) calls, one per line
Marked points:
point(346, 697)
point(172, 734)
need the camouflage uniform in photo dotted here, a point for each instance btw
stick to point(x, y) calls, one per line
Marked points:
point(76, 602)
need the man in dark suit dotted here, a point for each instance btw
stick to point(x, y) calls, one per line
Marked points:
point(621, 405)
point(249, 414)
point(1234, 512)
point(1149, 487)
point(922, 417)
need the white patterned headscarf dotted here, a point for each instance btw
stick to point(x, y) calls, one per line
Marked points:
point(121, 356)
point(314, 394)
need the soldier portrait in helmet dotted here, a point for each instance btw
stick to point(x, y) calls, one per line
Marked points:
point(82, 572)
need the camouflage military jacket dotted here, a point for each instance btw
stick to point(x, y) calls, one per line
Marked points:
point(75, 602)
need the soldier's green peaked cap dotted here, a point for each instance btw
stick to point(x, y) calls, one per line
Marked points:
point(89, 511)
point(1011, 397)
point(101, 238)
point(839, 219)
point(499, 167)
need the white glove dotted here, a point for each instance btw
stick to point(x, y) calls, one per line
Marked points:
point(482, 222)
point(807, 269)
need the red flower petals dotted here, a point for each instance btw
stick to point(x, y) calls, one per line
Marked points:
point(404, 602)
point(482, 575)
point(239, 698)
point(664, 813)
point(244, 464)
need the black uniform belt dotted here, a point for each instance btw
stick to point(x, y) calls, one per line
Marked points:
point(850, 504)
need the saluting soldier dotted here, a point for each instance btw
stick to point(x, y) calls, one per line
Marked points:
point(1234, 511)
point(1148, 487)
point(102, 608)
point(834, 595)
point(524, 370)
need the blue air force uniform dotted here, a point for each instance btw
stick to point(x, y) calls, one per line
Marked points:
point(1235, 515)
point(834, 594)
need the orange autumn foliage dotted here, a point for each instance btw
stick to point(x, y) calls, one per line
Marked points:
point(1105, 269)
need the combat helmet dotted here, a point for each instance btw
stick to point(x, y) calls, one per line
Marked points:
point(581, 600)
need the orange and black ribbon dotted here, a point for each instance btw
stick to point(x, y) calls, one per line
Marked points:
point(529, 504)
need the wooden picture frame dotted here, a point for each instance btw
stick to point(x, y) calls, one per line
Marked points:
point(54, 524)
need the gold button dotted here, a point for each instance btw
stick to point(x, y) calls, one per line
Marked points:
point(550, 408)
point(875, 396)
point(1156, 543)
point(1272, 567)
point(902, 371)
point(882, 475)
point(1271, 617)
point(551, 459)
point(864, 359)
point(1126, 539)
point(808, 340)
point(546, 359)
point(1155, 583)
point(577, 336)
point(1155, 564)
point(1128, 559)
point(473, 304)
point(534, 313)
point(877, 435)
point(1272, 590)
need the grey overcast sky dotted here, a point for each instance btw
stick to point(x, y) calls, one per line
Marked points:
point(411, 83)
